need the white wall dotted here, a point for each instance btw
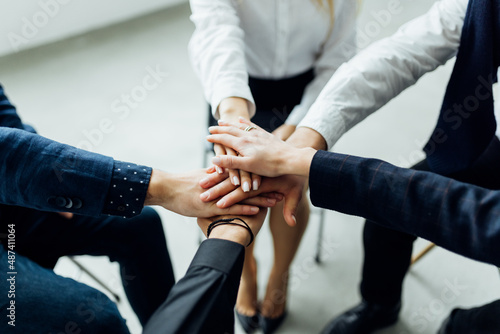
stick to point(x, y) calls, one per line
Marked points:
point(28, 23)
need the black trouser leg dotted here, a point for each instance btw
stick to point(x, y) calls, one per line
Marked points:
point(387, 259)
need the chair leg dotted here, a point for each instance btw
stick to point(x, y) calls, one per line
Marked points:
point(95, 278)
point(317, 258)
point(420, 255)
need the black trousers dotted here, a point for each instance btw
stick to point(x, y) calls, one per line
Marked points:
point(388, 252)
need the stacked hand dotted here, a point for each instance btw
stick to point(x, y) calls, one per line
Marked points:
point(180, 193)
point(262, 153)
point(284, 166)
point(231, 109)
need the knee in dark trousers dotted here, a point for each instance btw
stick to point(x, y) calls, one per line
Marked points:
point(92, 312)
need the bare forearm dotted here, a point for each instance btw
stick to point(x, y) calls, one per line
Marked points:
point(308, 141)
point(307, 137)
point(231, 108)
point(297, 161)
point(158, 189)
point(231, 233)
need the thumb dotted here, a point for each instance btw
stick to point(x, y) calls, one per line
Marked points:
point(229, 161)
point(290, 207)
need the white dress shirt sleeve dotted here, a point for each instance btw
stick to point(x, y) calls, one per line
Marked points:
point(339, 48)
point(385, 69)
point(217, 54)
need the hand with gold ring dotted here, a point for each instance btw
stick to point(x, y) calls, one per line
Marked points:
point(259, 151)
point(230, 109)
point(249, 128)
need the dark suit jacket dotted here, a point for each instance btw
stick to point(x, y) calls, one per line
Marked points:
point(40, 173)
point(458, 216)
point(203, 301)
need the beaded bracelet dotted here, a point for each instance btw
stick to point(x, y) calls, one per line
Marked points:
point(230, 221)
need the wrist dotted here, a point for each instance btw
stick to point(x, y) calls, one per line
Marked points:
point(234, 233)
point(307, 137)
point(231, 108)
point(158, 190)
point(298, 161)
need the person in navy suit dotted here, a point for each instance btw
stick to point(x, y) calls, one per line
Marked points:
point(103, 203)
point(458, 216)
point(463, 145)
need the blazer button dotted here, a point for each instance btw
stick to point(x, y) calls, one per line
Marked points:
point(51, 200)
point(77, 203)
point(61, 201)
point(121, 208)
point(69, 203)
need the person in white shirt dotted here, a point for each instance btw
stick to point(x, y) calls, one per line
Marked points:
point(268, 60)
point(358, 88)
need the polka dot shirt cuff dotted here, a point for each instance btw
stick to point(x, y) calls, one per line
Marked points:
point(127, 190)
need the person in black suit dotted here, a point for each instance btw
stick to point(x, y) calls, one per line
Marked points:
point(103, 201)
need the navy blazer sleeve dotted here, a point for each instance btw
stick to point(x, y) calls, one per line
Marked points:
point(204, 299)
point(40, 173)
point(457, 216)
point(8, 115)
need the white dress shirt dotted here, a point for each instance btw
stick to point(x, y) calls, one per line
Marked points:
point(268, 39)
point(387, 67)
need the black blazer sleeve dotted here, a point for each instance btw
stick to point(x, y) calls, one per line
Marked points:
point(204, 299)
point(460, 217)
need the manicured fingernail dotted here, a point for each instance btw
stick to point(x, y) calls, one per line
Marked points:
point(216, 161)
point(255, 185)
point(254, 210)
point(246, 187)
point(210, 129)
point(219, 170)
point(221, 203)
point(222, 122)
point(204, 181)
point(236, 181)
point(204, 196)
point(271, 201)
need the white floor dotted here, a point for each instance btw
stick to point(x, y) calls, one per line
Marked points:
point(66, 89)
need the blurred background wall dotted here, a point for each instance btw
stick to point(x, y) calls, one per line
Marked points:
point(29, 23)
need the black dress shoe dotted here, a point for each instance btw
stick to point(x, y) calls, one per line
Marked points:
point(249, 324)
point(270, 325)
point(364, 318)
